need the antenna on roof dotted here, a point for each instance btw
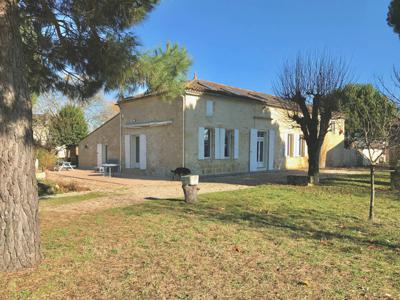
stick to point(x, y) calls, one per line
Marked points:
point(195, 77)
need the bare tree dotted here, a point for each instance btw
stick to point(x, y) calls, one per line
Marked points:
point(308, 85)
point(98, 110)
point(392, 91)
point(373, 126)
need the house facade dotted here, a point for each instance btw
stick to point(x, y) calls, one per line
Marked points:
point(212, 129)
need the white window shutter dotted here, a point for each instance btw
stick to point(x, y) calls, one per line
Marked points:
point(253, 150)
point(209, 108)
point(217, 144)
point(143, 152)
point(99, 155)
point(222, 133)
point(296, 145)
point(271, 149)
point(127, 151)
point(201, 143)
point(236, 144)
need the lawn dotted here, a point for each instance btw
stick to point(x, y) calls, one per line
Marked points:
point(271, 241)
point(69, 199)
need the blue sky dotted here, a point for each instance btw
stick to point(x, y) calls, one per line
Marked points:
point(244, 43)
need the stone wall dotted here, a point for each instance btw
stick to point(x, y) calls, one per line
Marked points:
point(176, 143)
point(244, 114)
point(107, 134)
point(164, 143)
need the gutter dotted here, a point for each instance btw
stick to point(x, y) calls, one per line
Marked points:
point(120, 140)
point(183, 129)
point(148, 124)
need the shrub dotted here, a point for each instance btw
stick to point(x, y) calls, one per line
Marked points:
point(70, 186)
point(47, 159)
point(51, 187)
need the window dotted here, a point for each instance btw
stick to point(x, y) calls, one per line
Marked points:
point(207, 142)
point(209, 108)
point(290, 145)
point(302, 146)
point(260, 149)
point(228, 143)
point(137, 152)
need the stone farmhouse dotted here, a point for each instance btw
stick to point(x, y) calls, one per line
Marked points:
point(211, 129)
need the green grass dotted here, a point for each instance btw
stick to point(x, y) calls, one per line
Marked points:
point(272, 241)
point(61, 200)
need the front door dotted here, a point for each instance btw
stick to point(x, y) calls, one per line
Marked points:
point(260, 149)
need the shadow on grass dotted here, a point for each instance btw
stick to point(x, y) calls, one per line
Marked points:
point(350, 181)
point(307, 223)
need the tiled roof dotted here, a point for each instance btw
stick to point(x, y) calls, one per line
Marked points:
point(204, 86)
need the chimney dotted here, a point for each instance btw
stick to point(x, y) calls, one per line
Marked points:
point(195, 76)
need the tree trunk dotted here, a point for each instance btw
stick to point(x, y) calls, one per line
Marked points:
point(190, 192)
point(372, 198)
point(19, 230)
point(313, 164)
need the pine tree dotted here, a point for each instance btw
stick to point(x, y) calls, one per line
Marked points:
point(72, 46)
point(68, 127)
point(393, 16)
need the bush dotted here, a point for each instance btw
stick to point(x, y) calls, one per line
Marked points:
point(47, 159)
point(70, 186)
point(50, 187)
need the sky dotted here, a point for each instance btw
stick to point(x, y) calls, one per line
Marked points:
point(245, 43)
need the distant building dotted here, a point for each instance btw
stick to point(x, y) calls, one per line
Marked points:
point(41, 123)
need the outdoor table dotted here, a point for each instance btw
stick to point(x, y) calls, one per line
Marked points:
point(65, 165)
point(109, 166)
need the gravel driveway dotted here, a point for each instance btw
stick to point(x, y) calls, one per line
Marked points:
point(127, 191)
